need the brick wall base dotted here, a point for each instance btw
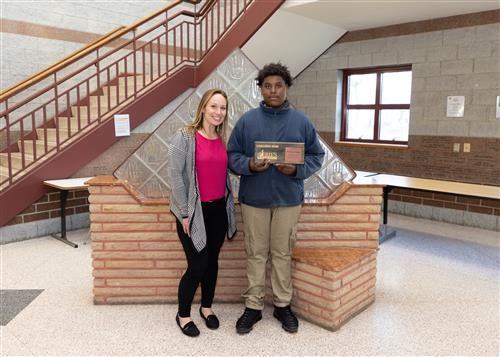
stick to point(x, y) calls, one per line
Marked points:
point(137, 256)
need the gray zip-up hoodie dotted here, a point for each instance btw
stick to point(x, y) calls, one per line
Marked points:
point(185, 195)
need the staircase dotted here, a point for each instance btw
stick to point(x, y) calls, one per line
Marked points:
point(55, 122)
point(63, 130)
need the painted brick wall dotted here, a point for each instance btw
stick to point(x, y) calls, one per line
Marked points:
point(137, 257)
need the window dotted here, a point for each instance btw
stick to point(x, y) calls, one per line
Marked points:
point(376, 105)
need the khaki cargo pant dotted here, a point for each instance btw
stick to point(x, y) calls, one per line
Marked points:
point(269, 232)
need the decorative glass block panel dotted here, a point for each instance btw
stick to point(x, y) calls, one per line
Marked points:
point(134, 171)
point(154, 188)
point(315, 188)
point(146, 168)
point(187, 110)
point(169, 127)
point(237, 107)
point(215, 81)
point(236, 68)
point(152, 153)
point(251, 91)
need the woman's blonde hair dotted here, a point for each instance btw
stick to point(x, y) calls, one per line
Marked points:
point(197, 123)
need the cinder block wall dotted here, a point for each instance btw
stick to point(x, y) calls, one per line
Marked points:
point(37, 34)
point(137, 256)
point(450, 56)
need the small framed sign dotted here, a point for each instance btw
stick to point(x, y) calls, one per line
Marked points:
point(279, 152)
point(122, 124)
point(455, 106)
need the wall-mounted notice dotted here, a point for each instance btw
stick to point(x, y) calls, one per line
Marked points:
point(455, 106)
point(498, 107)
point(122, 124)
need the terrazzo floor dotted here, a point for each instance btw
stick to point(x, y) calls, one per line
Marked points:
point(437, 294)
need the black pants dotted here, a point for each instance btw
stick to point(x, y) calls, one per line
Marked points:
point(203, 266)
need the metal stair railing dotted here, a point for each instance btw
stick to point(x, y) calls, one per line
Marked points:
point(44, 113)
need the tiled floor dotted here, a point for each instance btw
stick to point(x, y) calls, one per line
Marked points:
point(435, 296)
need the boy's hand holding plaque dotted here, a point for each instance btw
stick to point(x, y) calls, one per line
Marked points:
point(279, 152)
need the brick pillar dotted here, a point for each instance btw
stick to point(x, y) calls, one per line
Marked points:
point(137, 257)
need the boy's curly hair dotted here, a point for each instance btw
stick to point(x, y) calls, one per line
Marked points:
point(274, 69)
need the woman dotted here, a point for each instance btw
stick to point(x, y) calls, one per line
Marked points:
point(202, 203)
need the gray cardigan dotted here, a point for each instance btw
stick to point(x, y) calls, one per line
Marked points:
point(185, 195)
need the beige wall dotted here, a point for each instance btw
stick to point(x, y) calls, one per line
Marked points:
point(461, 61)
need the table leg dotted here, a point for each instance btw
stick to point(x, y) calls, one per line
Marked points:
point(62, 236)
point(384, 234)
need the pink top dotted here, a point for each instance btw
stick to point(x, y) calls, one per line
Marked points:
point(211, 167)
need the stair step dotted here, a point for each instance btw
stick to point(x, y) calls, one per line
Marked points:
point(111, 92)
point(63, 123)
point(15, 159)
point(94, 102)
point(84, 112)
point(52, 134)
point(130, 80)
point(40, 147)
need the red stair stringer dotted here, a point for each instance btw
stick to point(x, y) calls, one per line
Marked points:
point(29, 188)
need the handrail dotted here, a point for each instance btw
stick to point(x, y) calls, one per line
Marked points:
point(86, 50)
point(81, 97)
point(52, 68)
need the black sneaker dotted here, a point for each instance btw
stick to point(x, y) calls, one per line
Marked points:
point(247, 320)
point(288, 320)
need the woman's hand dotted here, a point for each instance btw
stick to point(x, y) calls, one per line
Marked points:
point(185, 226)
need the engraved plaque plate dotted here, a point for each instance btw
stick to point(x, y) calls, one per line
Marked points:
point(279, 152)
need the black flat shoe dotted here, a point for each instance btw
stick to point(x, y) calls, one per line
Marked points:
point(189, 329)
point(211, 321)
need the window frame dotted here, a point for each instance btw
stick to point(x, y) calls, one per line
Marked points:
point(377, 106)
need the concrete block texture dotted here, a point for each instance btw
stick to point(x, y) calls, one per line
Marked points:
point(378, 45)
point(488, 32)
point(385, 58)
point(429, 39)
point(400, 43)
point(485, 96)
point(487, 65)
point(478, 81)
point(346, 49)
point(453, 127)
point(423, 127)
point(476, 50)
point(360, 61)
point(457, 67)
point(427, 69)
point(441, 83)
point(337, 62)
point(442, 54)
point(481, 221)
point(42, 228)
point(417, 55)
point(485, 129)
point(460, 36)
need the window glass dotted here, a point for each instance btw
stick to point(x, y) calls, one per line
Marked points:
point(362, 88)
point(360, 124)
point(394, 124)
point(396, 87)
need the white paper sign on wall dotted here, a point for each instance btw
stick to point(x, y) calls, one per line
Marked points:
point(455, 106)
point(498, 107)
point(122, 124)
